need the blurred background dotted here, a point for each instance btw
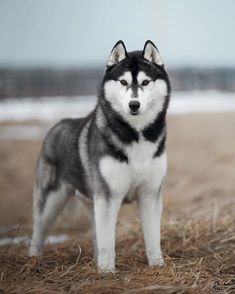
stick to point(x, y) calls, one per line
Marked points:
point(52, 57)
point(51, 48)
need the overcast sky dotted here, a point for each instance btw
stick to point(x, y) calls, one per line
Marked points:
point(82, 32)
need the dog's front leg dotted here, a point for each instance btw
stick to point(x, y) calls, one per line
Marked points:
point(150, 206)
point(105, 217)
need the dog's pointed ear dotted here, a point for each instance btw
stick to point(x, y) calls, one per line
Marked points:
point(118, 54)
point(151, 53)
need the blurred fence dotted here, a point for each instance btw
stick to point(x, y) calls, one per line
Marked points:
point(62, 82)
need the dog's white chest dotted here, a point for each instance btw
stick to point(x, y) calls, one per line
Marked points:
point(141, 169)
point(140, 156)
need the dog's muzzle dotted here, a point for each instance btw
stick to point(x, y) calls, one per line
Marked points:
point(134, 106)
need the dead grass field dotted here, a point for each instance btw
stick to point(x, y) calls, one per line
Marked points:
point(198, 226)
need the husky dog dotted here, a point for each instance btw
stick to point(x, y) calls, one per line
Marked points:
point(115, 154)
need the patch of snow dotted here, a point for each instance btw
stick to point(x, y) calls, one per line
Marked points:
point(45, 108)
point(53, 239)
point(55, 108)
point(201, 102)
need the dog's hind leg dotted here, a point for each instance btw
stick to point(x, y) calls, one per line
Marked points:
point(90, 208)
point(50, 196)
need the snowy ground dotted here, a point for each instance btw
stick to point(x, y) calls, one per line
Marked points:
point(52, 109)
point(58, 107)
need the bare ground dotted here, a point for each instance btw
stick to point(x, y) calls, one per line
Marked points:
point(198, 224)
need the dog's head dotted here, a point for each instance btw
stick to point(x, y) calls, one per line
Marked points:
point(136, 83)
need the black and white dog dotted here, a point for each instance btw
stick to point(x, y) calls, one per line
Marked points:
point(115, 154)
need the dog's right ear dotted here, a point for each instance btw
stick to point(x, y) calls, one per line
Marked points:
point(118, 54)
point(151, 53)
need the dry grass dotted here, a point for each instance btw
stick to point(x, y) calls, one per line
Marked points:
point(199, 259)
point(198, 228)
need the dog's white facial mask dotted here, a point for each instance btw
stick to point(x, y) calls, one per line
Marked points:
point(151, 95)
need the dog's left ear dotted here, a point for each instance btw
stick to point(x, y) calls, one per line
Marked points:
point(118, 54)
point(151, 53)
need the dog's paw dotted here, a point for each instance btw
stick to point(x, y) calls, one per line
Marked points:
point(157, 262)
point(34, 251)
point(106, 270)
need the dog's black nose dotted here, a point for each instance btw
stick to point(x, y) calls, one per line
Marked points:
point(134, 105)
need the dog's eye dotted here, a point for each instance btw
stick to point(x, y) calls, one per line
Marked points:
point(145, 82)
point(124, 82)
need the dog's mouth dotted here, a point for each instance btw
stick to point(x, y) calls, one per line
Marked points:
point(134, 112)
